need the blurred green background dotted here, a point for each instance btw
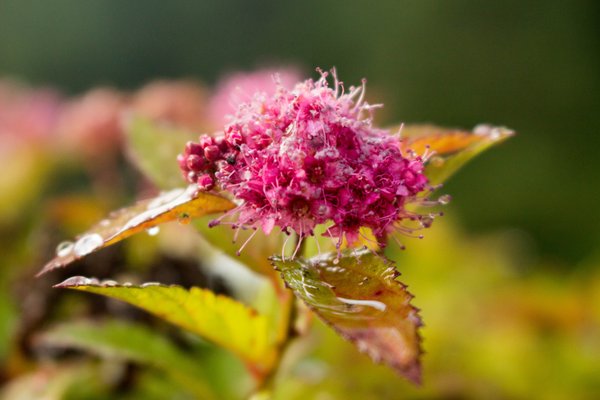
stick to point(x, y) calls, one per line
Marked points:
point(525, 212)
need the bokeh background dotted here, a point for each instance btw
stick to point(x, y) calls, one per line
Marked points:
point(508, 283)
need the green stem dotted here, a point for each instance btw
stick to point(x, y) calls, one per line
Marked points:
point(286, 333)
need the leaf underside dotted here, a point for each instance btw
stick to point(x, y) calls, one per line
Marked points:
point(178, 204)
point(220, 319)
point(452, 148)
point(361, 299)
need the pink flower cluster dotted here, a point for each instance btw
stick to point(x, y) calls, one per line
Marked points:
point(307, 156)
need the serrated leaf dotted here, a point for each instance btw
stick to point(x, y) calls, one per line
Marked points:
point(218, 318)
point(453, 148)
point(153, 149)
point(361, 299)
point(131, 342)
point(178, 204)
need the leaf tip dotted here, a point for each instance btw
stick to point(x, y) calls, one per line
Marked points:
point(494, 133)
point(413, 373)
point(47, 268)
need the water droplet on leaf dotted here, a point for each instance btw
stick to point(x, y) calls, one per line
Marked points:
point(184, 219)
point(87, 244)
point(64, 249)
point(444, 199)
point(426, 221)
point(153, 231)
point(437, 161)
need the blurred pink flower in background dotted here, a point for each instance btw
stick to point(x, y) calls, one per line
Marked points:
point(92, 123)
point(28, 114)
point(239, 87)
point(28, 121)
point(182, 103)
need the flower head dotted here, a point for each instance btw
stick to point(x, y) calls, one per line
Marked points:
point(307, 156)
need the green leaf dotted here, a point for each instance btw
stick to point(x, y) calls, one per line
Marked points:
point(177, 204)
point(218, 318)
point(131, 342)
point(359, 296)
point(452, 148)
point(153, 149)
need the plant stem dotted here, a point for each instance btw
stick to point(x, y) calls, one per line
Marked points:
point(286, 333)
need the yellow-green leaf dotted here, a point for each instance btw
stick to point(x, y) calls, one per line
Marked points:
point(358, 295)
point(217, 318)
point(153, 149)
point(452, 148)
point(178, 204)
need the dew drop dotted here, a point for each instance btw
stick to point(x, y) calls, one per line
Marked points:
point(64, 249)
point(492, 132)
point(184, 219)
point(87, 243)
point(153, 231)
point(495, 134)
point(78, 281)
point(426, 221)
point(437, 161)
point(336, 261)
point(444, 199)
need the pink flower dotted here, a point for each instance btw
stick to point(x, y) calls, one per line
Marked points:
point(307, 156)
